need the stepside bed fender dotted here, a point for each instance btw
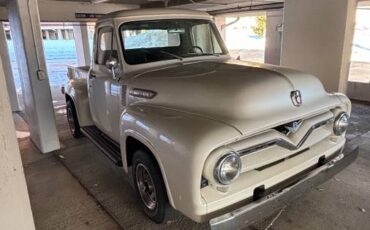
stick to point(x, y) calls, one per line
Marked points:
point(77, 92)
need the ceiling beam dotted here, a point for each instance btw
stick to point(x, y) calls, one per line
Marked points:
point(65, 11)
point(214, 7)
point(170, 3)
point(260, 7)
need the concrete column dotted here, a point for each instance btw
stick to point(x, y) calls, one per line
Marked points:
point(274, 22)
point(81, 35)
point(38, 107)
point(71, 36)
point(53, 35)
point(15, 211)
point(60, 34)
point(47, 35)
point(317, 39)
point(66, 34)
point(4, 53)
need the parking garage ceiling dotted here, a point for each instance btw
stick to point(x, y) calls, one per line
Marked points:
point(213, 5)
point(50, 12)
point(217, 6)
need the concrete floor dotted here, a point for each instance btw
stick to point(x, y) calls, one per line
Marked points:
point(79, 188)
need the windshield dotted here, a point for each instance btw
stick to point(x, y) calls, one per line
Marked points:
point(152, 41)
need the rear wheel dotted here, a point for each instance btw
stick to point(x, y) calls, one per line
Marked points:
point(150, 187)
point(74, 126)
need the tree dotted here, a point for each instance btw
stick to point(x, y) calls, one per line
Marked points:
point(260, 26)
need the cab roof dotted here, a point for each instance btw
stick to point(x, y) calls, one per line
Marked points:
point(156, 12)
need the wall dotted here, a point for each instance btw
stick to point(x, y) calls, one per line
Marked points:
point(15, 209)
point(3, 14)
point(64, 11)
point(317, 39)
point(8, 70)
point(274, 21)
point(358, 91)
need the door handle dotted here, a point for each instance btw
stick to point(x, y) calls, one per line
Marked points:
point(92, 76)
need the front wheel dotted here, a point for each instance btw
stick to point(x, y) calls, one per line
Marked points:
point(150, 187)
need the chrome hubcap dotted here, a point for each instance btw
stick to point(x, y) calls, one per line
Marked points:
point(146, 187)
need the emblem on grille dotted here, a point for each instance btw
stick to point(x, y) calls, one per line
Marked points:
point(296, 97)
point(293, 127)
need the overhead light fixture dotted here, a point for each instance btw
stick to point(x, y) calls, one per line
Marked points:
point(99, 1)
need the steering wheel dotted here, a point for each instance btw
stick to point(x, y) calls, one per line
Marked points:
point(199, 48)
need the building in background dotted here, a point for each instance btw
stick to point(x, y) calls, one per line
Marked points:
point(59, 48)
point(360, 60)
point(60, 52)
point(245, 37)
point(55, 30)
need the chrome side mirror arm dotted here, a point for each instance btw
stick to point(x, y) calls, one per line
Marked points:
point(114, 74)
point(112, 64)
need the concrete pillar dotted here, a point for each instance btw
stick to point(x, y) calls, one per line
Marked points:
point(38, 107)
point(47, 35)
point(66, 34)
point(60, 34)
point(317, 39)
point(81, 35)
point(4, 53)
point(71, 36)
point(274, 22)
point(15, 211)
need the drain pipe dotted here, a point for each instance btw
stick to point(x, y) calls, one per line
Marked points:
point(230, 23)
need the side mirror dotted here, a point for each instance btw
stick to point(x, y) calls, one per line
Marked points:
point(112, 64)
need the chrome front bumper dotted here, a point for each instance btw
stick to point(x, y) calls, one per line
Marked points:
point(275, 201)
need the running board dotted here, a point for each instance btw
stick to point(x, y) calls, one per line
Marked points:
point(109, 147)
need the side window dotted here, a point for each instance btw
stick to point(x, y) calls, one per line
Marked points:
point(106, 46)
point(204, 38)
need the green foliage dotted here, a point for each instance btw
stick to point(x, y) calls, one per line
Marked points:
point(260, 27)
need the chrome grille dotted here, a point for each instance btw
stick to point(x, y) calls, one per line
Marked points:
point(284, 143)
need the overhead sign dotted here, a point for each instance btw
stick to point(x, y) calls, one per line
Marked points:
point(88, 15)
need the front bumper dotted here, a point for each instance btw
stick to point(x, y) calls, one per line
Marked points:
point(275, 201)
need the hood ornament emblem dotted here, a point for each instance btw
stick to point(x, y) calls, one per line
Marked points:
point(293, 127)
point(296, 97)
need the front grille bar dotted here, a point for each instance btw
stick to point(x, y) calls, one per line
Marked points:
point(284, 143)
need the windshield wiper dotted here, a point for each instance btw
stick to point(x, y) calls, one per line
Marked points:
point(172, 55)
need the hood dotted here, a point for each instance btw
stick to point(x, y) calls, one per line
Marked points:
point(247, 96)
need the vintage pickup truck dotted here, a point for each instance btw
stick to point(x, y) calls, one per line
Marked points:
point(216, 139)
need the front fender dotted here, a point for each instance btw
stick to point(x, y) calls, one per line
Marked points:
point(180, 142)
point(347, 105)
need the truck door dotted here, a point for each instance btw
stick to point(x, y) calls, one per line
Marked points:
point(104, 91)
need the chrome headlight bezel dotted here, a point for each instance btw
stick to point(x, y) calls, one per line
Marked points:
point(219, 173)
point(341, 123)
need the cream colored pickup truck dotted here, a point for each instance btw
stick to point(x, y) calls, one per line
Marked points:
point(216, 139)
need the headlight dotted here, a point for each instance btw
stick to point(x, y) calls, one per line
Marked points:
point(227, 168)
point(341, 123)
